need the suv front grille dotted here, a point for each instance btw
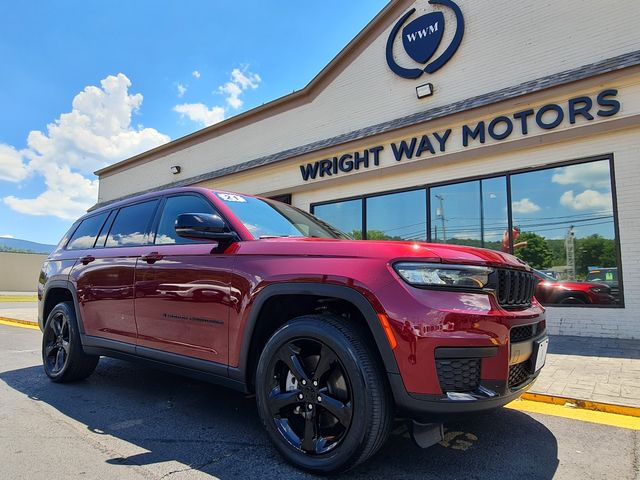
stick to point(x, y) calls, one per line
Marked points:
point(458, 374)
point(514, 288)
point(518, 373)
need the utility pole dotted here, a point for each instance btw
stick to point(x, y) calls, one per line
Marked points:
point(440, 215)
point(569, 245)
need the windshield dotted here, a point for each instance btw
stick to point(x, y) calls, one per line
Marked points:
point(544, 276)
point(269, 219)
point(603, 275)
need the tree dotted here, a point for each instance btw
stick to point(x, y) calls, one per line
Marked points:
point(594, 251)
point(537, 253)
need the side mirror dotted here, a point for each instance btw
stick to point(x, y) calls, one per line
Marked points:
point(203, 226)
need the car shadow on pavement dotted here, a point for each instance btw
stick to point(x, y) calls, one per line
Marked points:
point(217, 431)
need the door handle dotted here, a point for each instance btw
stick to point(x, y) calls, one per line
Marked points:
point(87, 259)
point(151, 257)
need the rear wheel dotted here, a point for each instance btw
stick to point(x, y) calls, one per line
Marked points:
point(322, 395)
point(62, 354)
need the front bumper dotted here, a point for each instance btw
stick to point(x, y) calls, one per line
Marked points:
point(485, 395)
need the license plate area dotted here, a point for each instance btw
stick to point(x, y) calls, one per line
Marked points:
point(540, 348)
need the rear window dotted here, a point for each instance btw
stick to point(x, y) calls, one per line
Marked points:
point(86, 233)
point(131, 225)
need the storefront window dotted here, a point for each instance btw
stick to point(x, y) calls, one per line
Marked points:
point(564, 227)
point(470, 213)
point(345, 216)
point(397, 216)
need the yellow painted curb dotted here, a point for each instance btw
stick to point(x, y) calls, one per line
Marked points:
point(572, 413)
point(583, 404)
point(14, 322)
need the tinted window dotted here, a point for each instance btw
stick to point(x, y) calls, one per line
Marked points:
point(85, 235)
point(105, 229)
point(397, 216)
point(173, 207)
point(347, 216)
point(131, 225)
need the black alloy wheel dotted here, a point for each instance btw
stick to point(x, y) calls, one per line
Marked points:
point(322, 394)
point(310, 396)
point(56, 343)
point(62, 354)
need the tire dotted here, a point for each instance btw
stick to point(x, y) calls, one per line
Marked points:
point(335, 418)
point(570, 300)
point(62, 355)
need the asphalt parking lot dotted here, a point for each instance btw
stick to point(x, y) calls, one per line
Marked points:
point(129, 421)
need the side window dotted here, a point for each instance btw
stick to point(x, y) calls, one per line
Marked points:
point(86, 233)
point(131, 225)
point(105, 229)
point(173, 207)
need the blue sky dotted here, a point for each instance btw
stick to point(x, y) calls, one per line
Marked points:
point(85, 84)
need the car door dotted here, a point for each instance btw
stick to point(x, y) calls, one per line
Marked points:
point(182, 289)
point(104, 275)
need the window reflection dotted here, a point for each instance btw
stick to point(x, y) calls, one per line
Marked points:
point(470, 213)
point(566, 230)
point(131, 224)
point(346, 216)
point(397, 216)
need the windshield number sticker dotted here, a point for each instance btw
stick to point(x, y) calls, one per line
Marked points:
point(227, 197)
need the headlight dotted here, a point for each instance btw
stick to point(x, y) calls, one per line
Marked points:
point(439, 275)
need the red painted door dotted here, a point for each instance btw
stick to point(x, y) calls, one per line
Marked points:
point(182, 289)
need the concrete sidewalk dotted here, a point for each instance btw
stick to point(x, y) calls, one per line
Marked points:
point(581, 368)
point(594, 369)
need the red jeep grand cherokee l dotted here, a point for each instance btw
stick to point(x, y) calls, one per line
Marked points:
point(335, 336)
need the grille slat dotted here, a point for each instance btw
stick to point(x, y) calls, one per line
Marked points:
point(518, 373)
point(514, 289)
point(458, 374)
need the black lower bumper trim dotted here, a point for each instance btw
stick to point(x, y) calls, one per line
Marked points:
point(438, 408)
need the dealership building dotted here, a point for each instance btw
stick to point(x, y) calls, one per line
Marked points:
point(502, 124)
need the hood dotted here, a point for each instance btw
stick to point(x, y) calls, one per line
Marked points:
point(387, 250)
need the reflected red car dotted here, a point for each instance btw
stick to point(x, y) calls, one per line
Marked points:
point(550, 291)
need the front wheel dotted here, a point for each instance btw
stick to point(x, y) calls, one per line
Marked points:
point(322, 395)
point(62, 354)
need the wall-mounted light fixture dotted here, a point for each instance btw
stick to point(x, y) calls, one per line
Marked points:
point(175, 169)
point(425, 90)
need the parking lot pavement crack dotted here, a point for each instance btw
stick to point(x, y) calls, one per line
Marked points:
point(199, 466)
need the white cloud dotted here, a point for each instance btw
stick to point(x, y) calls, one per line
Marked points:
point(524, 206)
point(587, 175)
point(95, 133)
point(7, 236)
point(587, 200)
point(240, 81)
point(196, 74)
point(232, 92)
point(181, 90)
point(199, 112)
point(12, 167)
